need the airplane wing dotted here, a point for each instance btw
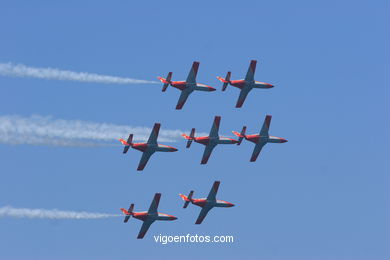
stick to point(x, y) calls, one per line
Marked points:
point(206, 154)
point(154, 205)
point(213, 191)
point(215, 127)
point(154, 134)
point(144, 228)
point(202, 215)
point(250, 75)
point(192, 75)
point(144, 160)
point(243, 93)
point(182, 99)
point(257, 151)
point(265, 128)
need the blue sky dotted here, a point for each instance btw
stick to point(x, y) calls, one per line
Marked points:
point(322, 195)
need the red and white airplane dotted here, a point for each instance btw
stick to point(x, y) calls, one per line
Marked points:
point(148, 217)
point(246, 85)
point(211, 141)
point(148, 148)
point(261, 139)
point(186, 87)
point(206, 203)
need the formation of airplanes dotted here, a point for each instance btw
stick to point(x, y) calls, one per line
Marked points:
point(190, 85)
point(150, 216)
point(210, 141)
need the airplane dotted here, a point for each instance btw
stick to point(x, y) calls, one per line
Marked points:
point(148, 217)
point(207, 203)
point(261, 139)
point(246, 85)
point(210, 141)
point(186, 87)
point(148, 148)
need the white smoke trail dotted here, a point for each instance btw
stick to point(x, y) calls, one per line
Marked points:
point(41, 130)
point(20, 70)
point(12, 212)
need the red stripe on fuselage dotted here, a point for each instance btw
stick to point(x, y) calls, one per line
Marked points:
point(253, 138)
point(140, 215)
point(167, 215)
point(173, 149)
point(179, 84)
point(141, 146)
point(233, 141)
point(238, 83)
point(225, 202)
point(199, 202)
point(202, 140)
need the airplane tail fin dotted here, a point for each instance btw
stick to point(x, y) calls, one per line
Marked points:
point(190, 138)
point(166, 81)
point(128, 213)
point(240, 135)
point(127, 143)
point(225, 80)
point(186, 199)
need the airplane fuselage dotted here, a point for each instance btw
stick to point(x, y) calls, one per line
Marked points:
point(145, 147)
point(146, 216)
point(182, 85)
point(208, 203)
point(206, 140)
point(264, 139)
point(241, 84)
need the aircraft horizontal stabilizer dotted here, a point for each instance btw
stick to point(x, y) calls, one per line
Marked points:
point(127, 143)
point(240, 135)
point(225, 80)
point(186, 199)
point(190, 138)
point(166, 81)
point(128, 213)
point(123, 141)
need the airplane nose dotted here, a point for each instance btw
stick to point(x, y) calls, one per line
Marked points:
point(175, 149)
point(232, 205)
point(211, 89)
point(284, 141)
point(173, 218)
point(270, 86)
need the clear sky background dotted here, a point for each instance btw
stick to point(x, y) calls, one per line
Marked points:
point(322, 195)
